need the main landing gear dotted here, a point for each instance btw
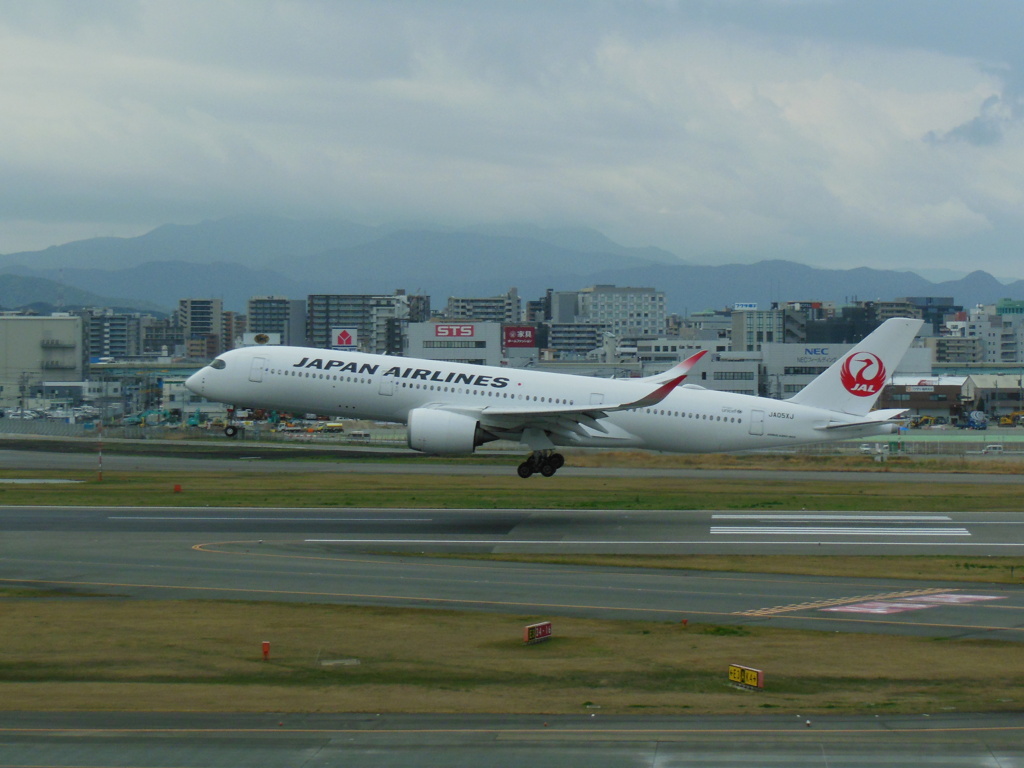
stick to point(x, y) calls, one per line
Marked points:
point(545, 462)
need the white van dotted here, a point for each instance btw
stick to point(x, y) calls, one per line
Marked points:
point(992, 449)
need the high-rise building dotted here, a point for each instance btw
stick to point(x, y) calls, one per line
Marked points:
point(933, 309)
point(1001, 335)
point(753, 327)
point(368, 322)
point(628, 312)
point(112, 334)
point(162, 336)
point(280, 315)
point(493, 309)
point(203, 324)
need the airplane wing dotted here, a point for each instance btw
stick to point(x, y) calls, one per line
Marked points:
point(569, 421)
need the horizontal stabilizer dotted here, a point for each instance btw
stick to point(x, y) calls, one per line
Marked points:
point(890, 416)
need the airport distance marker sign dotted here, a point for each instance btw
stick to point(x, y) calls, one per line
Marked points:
point(535, 633)
point(746, 678)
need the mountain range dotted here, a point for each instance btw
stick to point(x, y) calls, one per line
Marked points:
point(240, 257)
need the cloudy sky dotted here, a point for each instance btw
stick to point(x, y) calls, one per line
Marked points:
point(832, 132)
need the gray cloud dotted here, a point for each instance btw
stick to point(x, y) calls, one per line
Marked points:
point(718, 130)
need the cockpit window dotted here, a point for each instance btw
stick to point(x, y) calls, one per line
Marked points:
point(218, 364)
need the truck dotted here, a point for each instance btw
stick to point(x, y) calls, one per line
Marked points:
point(1011, 419)
point(330, 426)
point(977, 420)
point(147, 418)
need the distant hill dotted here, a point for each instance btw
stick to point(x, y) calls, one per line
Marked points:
point(42, 295)
point(249, 240)
point(695, 288)
point(241, 257)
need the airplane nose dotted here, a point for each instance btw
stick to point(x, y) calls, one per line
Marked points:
point(195, 382)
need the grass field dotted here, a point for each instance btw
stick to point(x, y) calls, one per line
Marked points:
point(250, 488)
point(95, 654)
point(98, 652)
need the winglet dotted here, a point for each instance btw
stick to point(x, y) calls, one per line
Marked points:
point(680, 369)
point(657, 395)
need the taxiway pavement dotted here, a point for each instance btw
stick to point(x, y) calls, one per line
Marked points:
point(354, 556)
point(69, 740)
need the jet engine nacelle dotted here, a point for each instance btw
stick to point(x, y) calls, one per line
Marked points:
point(434, 430)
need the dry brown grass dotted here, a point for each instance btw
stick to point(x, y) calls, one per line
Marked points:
point(110, 654)
point(794, 462)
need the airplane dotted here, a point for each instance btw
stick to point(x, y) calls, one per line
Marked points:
point(453, 408)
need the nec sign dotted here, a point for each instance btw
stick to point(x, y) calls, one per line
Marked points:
point(815, 350)
point(453, 331)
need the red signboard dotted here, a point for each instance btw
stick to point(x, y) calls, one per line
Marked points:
point(520, 336)
point(534, 633)
point(345, 338)
point(454, 331)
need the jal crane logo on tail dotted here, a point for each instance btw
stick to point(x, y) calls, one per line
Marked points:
point(863, 374)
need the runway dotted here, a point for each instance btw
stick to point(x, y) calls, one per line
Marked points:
point(67, 740)
point(354, 557)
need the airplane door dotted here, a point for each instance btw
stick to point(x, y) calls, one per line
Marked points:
point(596, 398)
point(757, 422)
point(256, 369)
point(387, 386)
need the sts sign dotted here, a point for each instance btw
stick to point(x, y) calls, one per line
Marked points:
point(454, 331)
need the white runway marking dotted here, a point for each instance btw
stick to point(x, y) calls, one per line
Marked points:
point(837, 518)
point(281, 519)
point(723, 530)
point(661, 543)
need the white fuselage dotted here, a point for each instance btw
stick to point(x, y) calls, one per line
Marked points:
point(383, 388)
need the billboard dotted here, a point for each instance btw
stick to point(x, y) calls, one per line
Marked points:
point(450, 331)
point(260, 339)
point(344, 338)
point(520, 336)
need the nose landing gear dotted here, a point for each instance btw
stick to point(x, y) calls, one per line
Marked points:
point(545, 462)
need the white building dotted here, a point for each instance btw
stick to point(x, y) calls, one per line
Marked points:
point(628, 312)
point(492, 309)
point(1002, 336)
point(477, 343)
point(34, 350)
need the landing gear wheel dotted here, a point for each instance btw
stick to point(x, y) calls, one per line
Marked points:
point(231, 431)
point(545, 462)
